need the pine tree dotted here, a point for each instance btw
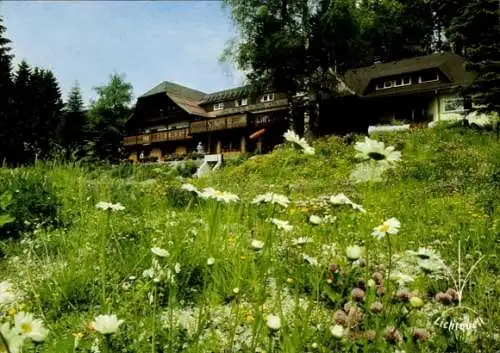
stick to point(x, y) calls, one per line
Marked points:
point(19, 132)
point(475, 33)
point(5, 93)
point(71, 131)
point(47, 105)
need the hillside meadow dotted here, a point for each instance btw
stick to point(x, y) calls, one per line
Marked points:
point(316, 263)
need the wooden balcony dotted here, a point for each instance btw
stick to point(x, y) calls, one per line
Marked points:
point(229, 122)
point(161, 136)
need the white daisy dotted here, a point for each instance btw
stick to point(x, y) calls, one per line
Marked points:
point(107, 324)
point(28, 327)
point(291, 136)
point(160, 252)
point(110, 206)
point(211, 193)
point(13, 339)
point(376, 150)
point(353, 252)
point(311, 260)
point(271, 197)
point(284, 225)
point(342, 199)
point(315, 219)
point(301, 241)
point(337, 331)
point(190, 188)
point(257, 244)
point(273, 322)
point(390, 226)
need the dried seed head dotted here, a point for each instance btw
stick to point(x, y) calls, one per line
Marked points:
point(403, 295)
point(392, 335)
point(378, 278)
point(443, 298)
point(420, 334)
point(455, 295)
point(370, 335)
point(376, 307)
point(334, 268)
point(358, 294)
point(360, 283)
point(354, 316)
point(380, 290)
point(340, 317)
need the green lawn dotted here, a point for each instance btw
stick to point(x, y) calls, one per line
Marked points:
point(219, 290)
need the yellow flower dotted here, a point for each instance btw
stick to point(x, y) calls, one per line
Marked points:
point(243, 257)
point(12, 312)
point(290, 280)
point(250, 318)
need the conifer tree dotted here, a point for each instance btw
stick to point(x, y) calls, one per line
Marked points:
point(475, 33)
point(5, 92)
point(71, 131)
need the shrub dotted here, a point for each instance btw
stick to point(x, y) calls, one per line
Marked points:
point(187, 169)
point(34, 202)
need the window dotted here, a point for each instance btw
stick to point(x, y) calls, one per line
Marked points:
point(241, 102)
point(453, 105)
point(402, 81)
point(387, 84)
point(379, 86)
point(219, 106)
point(429, 76)
point(267, 97)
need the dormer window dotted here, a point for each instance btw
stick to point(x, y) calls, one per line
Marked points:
point(241, 102)
point(429, 76)
point(402, 81)
point(219, 106)
point(267, 97)
point(388, 84)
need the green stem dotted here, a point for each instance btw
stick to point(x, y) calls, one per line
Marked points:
point(3, 341)
point(390, 257)
point(153, 340)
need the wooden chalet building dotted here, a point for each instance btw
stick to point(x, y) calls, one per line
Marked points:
point(171, 120)
point(410, 91)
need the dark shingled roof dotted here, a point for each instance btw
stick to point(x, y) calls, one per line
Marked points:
point(227, 94)
point(176, 89)
point(452, 65)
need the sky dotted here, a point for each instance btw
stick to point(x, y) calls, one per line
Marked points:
point(149, 42)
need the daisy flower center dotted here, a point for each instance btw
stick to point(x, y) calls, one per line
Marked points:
point(26, 328)
point(376, 156)
point(384, 228)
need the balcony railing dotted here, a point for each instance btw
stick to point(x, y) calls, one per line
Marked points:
point(229, 122)
point(146, 139)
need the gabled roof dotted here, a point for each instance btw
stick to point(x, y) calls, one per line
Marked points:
point(452, 65)
point(176, 89)
point(227, 94)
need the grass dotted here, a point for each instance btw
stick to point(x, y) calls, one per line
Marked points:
point(445, 192)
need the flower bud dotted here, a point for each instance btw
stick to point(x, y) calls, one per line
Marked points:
point(358, 294)
point(416, 302)
point(376, 307)
point(443, 298)
point(340, 317)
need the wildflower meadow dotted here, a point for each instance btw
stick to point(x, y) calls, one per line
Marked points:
point(355, 244)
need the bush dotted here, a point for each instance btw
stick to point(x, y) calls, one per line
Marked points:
point(34, 202)
point(187, 169)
